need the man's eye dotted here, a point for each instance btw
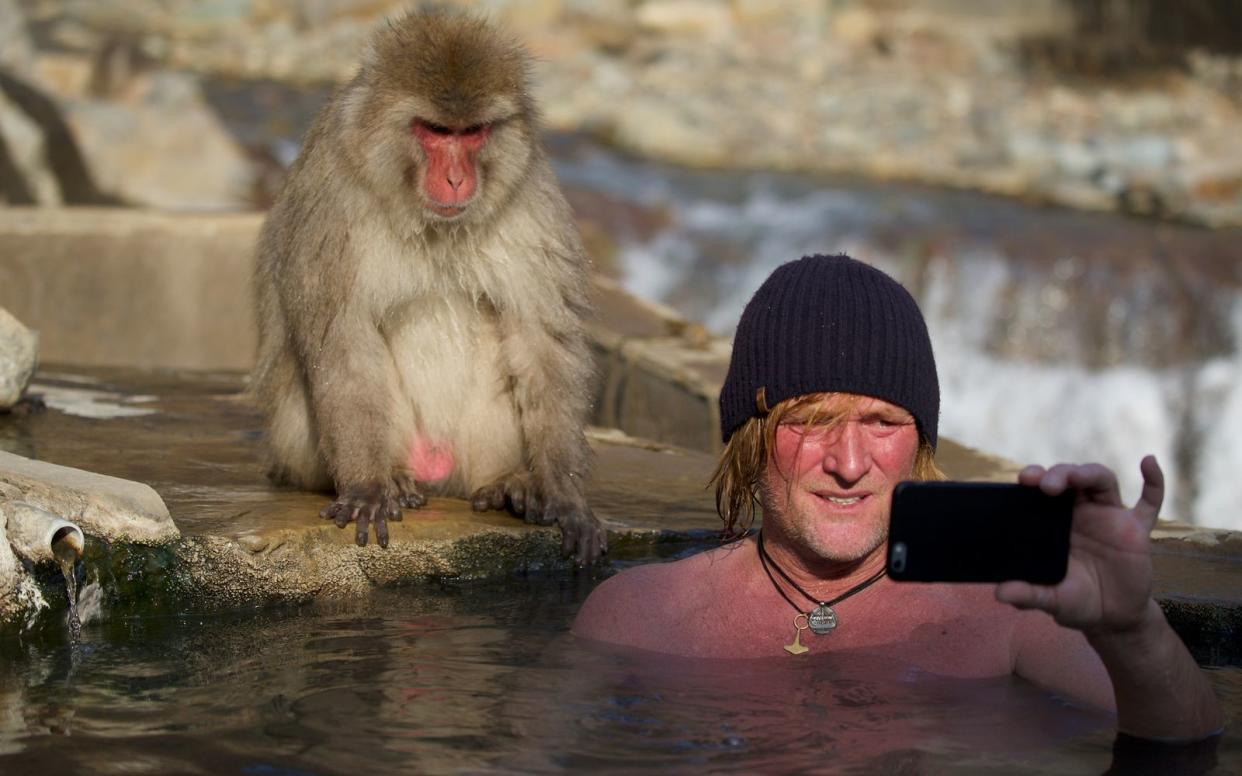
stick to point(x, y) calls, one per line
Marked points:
point(881, 422)
point(817, 431)
point(801, 429)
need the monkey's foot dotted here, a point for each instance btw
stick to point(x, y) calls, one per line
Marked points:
point(582, 535)
point(364, 505)
point(515, 492)
point(408, 494)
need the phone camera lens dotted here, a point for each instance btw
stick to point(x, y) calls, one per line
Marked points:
point(897, 558)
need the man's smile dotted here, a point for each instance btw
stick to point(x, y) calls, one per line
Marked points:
point(841, 499)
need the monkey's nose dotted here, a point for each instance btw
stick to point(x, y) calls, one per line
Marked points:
point(455, 180)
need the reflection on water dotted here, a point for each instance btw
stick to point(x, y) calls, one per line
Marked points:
point(486, 679)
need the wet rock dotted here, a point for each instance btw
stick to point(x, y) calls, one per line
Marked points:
point(858, 27)
point(606, 25)
point(159, 144)
point(26, 178)
point(46, 149)
point(98, 126)
point(19, 353)
point(66, 75)
point(245, 542)
point(659, 374)
point(665, 126)
point(36, 535)
point(20, 596)
point(9, 573)
point(780, 14)
point(937, 95)
point(666, 389)
point(606, 222)
point(106, 507)
point(16, 50)
point(698, 18)
point(523, 16)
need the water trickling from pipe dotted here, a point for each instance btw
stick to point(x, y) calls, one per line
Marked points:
point(67, 558)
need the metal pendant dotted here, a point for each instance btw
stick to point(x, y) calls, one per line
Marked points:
point(822, 620)
point(796, 647)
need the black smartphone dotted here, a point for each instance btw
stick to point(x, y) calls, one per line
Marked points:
point(978, 532)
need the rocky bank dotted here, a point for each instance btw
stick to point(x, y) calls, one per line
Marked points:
point(1012, 96)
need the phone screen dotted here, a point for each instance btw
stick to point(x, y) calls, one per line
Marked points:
point(978, 532)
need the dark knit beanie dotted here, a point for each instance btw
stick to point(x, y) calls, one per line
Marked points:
point(831, 323)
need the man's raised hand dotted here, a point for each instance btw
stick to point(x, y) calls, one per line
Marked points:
point(1107, 587)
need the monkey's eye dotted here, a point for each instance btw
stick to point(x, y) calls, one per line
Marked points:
point(474, 129)
point(435, 129)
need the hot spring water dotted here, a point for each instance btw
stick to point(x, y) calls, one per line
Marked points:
point(484, 678)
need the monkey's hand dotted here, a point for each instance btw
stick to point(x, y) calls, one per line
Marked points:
point(581, 533)
point(365, 505)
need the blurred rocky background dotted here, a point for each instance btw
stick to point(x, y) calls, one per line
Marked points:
point(1093, 311)
point(1131, 105)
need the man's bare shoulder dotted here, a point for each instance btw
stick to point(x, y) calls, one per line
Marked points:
point(643, 606)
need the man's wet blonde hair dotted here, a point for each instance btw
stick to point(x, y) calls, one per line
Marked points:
point(739, 473)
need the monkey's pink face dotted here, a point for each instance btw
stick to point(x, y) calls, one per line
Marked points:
point(452, 174)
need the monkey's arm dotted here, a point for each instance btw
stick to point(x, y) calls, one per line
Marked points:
point(334, 333)
point(553, 398)
point(550, 360)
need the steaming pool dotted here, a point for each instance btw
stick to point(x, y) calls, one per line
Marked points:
point(485, 678)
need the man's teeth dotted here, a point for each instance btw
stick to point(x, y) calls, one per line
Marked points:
point(845, 501)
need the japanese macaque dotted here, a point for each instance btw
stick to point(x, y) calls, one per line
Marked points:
point(421, 291)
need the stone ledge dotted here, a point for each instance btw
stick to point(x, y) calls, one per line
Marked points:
point(245, 543)
point(1193, 540)
point(129, 287)
point(106, 507)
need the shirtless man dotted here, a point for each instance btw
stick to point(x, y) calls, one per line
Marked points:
point(832, 399)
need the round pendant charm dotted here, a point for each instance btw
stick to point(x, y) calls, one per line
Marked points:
point(822, 620)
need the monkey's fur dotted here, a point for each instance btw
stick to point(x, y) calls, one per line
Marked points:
point(387, 329)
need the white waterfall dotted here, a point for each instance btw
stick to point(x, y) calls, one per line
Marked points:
point(729, 231)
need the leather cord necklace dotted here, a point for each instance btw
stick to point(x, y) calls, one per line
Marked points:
point(821, 619)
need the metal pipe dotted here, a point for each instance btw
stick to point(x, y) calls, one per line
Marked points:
point(37, 535)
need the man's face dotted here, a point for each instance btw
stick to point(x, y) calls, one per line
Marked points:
point(829, 487)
